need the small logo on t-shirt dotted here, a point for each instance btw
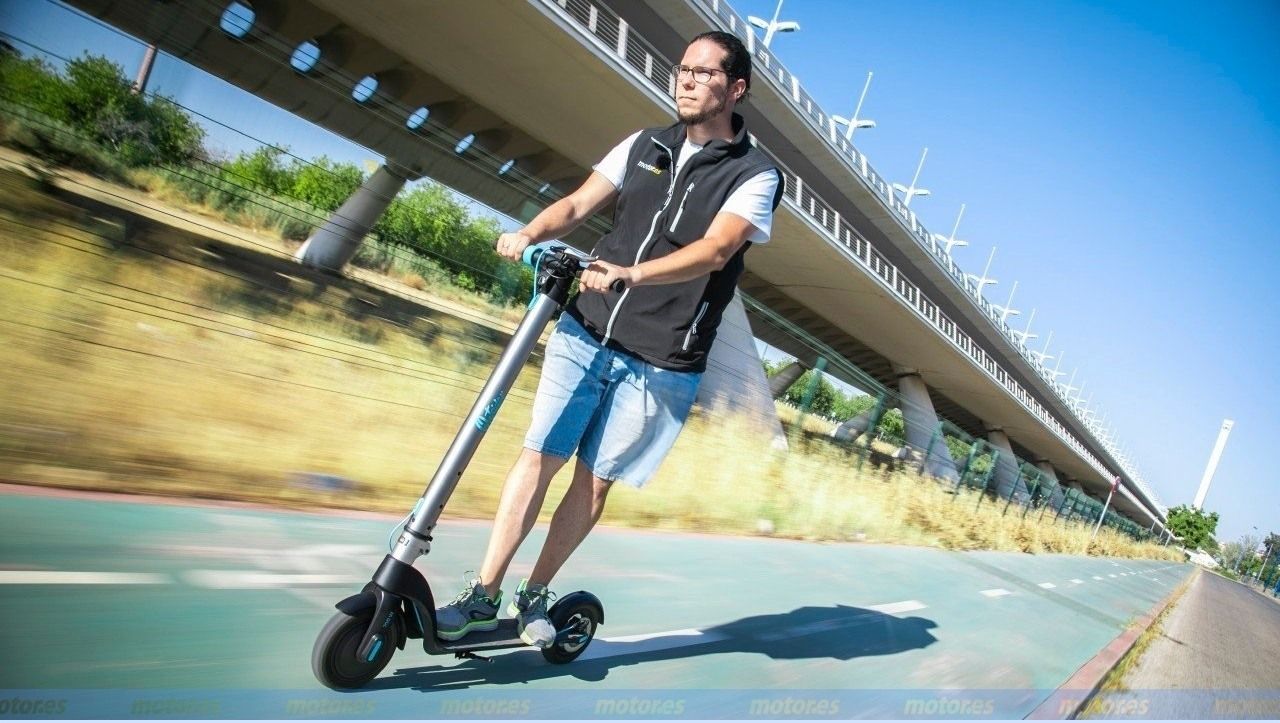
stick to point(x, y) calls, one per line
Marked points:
point(650, 168)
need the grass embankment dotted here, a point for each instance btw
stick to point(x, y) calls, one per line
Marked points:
point(149, 357)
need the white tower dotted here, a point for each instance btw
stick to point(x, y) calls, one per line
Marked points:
point(1213, 463)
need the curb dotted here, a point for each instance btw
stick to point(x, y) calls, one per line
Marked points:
point(1070, 698)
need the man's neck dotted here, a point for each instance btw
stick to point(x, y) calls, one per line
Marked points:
point(720, 127)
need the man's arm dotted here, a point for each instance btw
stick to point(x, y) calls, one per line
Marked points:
point(560, 217)
point(727, 234)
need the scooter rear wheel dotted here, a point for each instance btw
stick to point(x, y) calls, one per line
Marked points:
point(334, 660)
point(582, 619)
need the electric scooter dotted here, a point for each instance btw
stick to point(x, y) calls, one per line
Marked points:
point(396, 605)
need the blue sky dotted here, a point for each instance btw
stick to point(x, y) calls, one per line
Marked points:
point(1122, 157)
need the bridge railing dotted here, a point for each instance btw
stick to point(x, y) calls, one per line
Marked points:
point(614, 34)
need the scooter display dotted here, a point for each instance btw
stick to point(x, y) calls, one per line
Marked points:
point(396, 605)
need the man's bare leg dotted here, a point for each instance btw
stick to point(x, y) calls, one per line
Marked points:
point(518, 507)
point(576, 514)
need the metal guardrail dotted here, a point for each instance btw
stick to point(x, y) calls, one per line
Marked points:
point(614, 37)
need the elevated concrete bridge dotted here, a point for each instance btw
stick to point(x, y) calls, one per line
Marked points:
point(511, 101)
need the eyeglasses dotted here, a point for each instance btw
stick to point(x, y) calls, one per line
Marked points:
point(700, 75)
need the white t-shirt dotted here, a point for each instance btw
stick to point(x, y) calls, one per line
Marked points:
point(753, 200)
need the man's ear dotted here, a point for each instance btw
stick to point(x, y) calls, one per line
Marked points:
point(737, 98)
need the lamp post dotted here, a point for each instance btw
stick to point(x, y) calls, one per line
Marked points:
point(983, 280)
point(770, 27)
point(1007, 310)
point(951, 241)
point(853, 123)
point(910, 192)
point(1114, 484)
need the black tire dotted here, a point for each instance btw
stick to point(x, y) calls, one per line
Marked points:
point(334, 660)
point(585, 618)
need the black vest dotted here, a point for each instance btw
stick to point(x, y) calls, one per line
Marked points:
point(671, 326)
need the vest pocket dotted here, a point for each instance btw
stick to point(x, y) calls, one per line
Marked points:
point(693, 328)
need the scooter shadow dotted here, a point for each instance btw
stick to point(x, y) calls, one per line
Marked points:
point(839, 633)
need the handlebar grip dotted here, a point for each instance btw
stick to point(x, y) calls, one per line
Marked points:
point(619, 286)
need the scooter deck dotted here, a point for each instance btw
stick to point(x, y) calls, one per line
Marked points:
point(504, 636)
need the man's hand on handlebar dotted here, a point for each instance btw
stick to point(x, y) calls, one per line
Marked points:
point(602, 276)
point(512, 245)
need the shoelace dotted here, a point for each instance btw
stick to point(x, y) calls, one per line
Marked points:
point(538, 600)
point(467, 591)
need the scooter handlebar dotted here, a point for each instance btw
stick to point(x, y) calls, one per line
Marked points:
point(534, 255)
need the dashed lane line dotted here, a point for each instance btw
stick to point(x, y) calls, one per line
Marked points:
point(62, 577)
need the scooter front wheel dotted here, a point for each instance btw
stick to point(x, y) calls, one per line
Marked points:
point(334, 659)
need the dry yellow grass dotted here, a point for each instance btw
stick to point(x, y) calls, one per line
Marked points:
point(183, 365)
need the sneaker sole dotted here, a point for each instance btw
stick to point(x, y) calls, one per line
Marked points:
point(475, 627)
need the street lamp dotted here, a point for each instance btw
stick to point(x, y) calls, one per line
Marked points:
point(1025, 335)
point(910, 192)
point(951, 241)
point(773, 26)
point(852, 123)
point(1007, 310)
point(984, 280)
point(1043, 355)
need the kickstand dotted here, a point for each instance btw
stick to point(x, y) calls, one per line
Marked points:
point(472, 656)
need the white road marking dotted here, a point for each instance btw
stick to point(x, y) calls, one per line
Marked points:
point(905, 606)
point(60, 577)
point(997, 592)
point(1111, 575)
point(1047, 585)
point(1097, 577)
point(650, 642)
point(256, 580)
point(1076, 582)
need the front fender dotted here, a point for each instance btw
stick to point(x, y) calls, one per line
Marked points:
point(358, 603)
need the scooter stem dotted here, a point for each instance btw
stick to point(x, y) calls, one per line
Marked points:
point(415, 539)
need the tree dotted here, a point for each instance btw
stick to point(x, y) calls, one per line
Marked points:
point(95, 99)
point(1195, 527)
point(824, 397)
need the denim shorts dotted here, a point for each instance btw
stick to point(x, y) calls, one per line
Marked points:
point(618, 412)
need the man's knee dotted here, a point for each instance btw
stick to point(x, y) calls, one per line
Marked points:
point(600, 488)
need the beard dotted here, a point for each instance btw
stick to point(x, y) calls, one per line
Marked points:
point(698, 118)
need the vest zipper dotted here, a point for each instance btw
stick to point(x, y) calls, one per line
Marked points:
point(653, 225)
point(693, 328)
point(680, 210)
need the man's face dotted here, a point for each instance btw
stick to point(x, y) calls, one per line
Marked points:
point(698, 102)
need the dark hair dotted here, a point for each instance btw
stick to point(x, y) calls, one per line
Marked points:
point(737, 61)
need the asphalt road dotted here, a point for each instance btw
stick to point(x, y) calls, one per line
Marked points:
point(118, 608)
point(1218, 657)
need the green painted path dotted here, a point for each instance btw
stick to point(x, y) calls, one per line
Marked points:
point(115, 608)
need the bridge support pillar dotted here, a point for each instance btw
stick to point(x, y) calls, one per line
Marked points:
point(782, 380)
point(921, 423)
point(335, 243)
point(735, 381)
point(1008, 480)
point(1054, 498)
point(851, 429)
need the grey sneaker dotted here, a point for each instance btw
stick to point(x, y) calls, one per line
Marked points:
point(471, 611)
point(529, 606)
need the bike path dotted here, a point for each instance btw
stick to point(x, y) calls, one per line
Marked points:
point(125, 605)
